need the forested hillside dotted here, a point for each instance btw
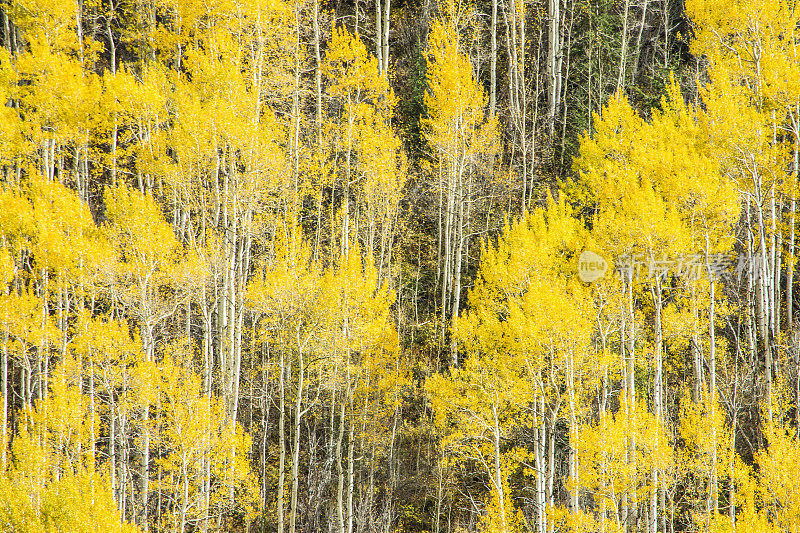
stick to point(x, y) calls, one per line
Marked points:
point(302, 265)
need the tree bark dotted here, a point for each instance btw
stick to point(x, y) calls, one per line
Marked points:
point(554, 73)
point(493, 67)
point(282, 443)
point(296, 443)
point(623, 48)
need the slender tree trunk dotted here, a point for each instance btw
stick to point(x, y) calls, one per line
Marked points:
point(6, 30)
point(573, 437)
point(296, 451)
point(731, 467)
point(790, 263)
point(624, 47)
point(493, 67)
point(437, 522)
point(282, 443)
point(498, 470)
point(565, 105)
point(631, 386)
point(386, 36)
point(764, 310)
point(553, 72)
point(459, 238)
point(351, 444)
point(551, 467)
point(184, 495)
point(339, 467)
point(666, 35)
point(379, 35)
point(639, 43)
point(712, 396)
point(790, 266)
point(112, 444)
point(657, 394)
point(447, 272)
point(4, 443)
point(541, 468)
point(145, 469)
point(92, 418)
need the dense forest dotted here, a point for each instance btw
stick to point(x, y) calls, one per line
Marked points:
point(455, 266)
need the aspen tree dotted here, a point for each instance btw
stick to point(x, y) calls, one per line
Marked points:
point(6, 276)
point(10, 124)
point(147, 252)
point(706, 449)
point(148, 257)
point(520, 357)
point(636, 221)
point(287, 293)
point(46, 221)
point(193, 429)
point(110, 351)
point(373, 173)
point(478, 402)
point(682, 188)
point(63, 109)
point(372, 346)
point(461, 135)
point(364, 139)
point(778, 483)
point(231, 163)
point(37, 493)
point(752, 52)
point(365, 347)
point(607, 469)
point(554, 61)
